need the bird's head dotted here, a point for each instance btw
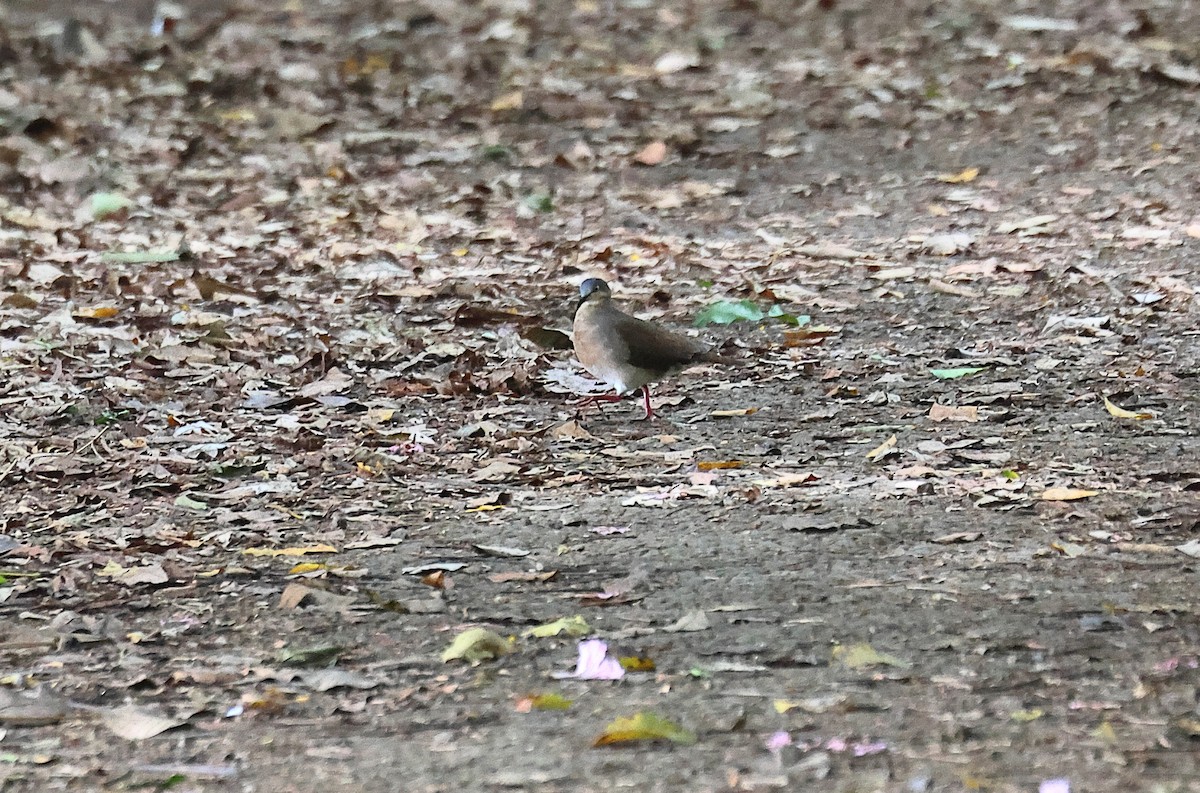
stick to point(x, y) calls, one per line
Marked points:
point(593, 289)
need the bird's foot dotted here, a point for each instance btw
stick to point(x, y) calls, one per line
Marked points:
point(595, 399)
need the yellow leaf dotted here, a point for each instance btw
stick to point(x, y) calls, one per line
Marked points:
point(632, 663)
point(459, 252)
point(237, 114)
point(475, 645)
point(1122, 413)
point(863, 655)
point(289, 551)
point(716, 465)
point(306, 567)
point(1028, 715)
point(550, 702)
point(510, 101)
point(879, 451)
point(643, 726)
point(571, 626)
point(724, 414)
point(1067, 494)
point(98, 312)
point(111, 569)
point(784, 705)
point(1068, 549)
point(1105, 732)
point(962, 177)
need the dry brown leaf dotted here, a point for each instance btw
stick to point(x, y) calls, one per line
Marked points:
point(653, 154)
point(1067, 494)
point(939, 412)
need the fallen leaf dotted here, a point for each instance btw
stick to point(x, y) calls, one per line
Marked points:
point(725, 312)
point(502, 578)
point(501, 551)
point(962, 177)
point(692, 621)
point(476, 645)
point(569, 626)
point(98, 312)
point(1067, 494)
point(633, 663)
point(448, 567)
point(653, 154)
point(310, 656)
point(35, 708)
point(570, 430)
point(786, 480)
point(730, 414)
point(1190, 548)
point(1032, 225)
point(146, 574)
point(1122, 413)
point(812, 704)
point(531, 702)
point(644, 726)
point(882, 450)
point(510, 101)
point(289, 551)
point(718, 465)
point(1068, 549)
point(939, 412)
point(863, 655)
point(954, 374)
point(136, 724)
point(957, 537)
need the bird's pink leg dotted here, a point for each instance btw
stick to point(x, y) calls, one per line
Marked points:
point(595, 400)
point(646, 402)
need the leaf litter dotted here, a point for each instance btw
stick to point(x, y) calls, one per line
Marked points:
point(284, 318)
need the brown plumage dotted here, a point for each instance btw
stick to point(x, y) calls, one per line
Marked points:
point(628, 353)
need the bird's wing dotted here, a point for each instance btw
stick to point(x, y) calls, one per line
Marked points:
point(654, 348)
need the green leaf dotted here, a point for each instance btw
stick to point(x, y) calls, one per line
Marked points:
point(475, 645)
point(571, 626)
point(107, 204)
point(182, 500)
point(863, 655)
point(954, 374)
point(776, 312)
point(725, 312)
point(497, 153)
point(549, 702)
point(309, 656)
point(644, 726)
point(540, 202)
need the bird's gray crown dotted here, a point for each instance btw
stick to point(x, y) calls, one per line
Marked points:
point(592, 285)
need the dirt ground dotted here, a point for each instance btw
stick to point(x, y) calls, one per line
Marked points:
point(282, 417)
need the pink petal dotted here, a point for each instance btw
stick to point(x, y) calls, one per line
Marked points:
point(594, 664)
point(869, 747)
point(778, 740)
